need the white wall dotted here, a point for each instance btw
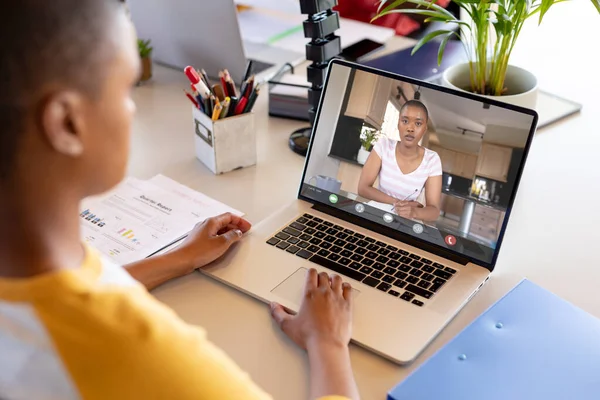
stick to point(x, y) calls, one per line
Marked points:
point(468, 143)
point(448, 112)
point(507, 136)
point(320, 163)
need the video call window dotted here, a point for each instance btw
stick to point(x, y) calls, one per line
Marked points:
point(439, 167)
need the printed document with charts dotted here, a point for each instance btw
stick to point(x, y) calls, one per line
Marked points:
point(140, 218)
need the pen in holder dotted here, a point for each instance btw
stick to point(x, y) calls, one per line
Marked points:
point(225, 144)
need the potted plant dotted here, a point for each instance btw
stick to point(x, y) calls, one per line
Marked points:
point(146, 55)
point(368, 137)
point(488, 41)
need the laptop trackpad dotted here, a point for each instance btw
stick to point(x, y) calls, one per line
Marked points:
point(292, 288)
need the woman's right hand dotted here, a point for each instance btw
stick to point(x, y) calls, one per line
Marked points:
point(323, 327)
point(325, 316)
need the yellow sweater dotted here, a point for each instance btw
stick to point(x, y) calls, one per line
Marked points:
point(95, 333)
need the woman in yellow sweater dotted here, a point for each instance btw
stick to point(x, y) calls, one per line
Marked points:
point(73, 325)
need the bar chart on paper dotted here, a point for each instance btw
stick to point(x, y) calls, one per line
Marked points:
point(92, 218)
point(129, 235)
point(123, 239)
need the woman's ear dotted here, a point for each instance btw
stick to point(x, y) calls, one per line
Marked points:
point(62, 123)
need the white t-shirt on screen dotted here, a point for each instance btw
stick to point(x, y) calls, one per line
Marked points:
point(395, 183)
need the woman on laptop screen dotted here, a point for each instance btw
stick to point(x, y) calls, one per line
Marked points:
point(405, 169)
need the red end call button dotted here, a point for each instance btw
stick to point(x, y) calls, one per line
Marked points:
point(450, 240)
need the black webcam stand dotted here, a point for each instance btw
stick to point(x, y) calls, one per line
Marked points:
point(324, 45)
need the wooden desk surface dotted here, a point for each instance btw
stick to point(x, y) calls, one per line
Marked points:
point(552, 238)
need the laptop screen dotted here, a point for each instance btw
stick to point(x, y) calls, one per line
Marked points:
point(437, 165)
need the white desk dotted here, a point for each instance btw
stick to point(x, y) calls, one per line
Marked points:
point(552, 237)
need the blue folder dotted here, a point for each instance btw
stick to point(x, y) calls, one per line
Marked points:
point(423, 64)
point(530, 345)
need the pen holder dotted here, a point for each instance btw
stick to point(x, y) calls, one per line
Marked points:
point(226, 144)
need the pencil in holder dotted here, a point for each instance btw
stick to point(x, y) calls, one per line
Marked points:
point(226, 144)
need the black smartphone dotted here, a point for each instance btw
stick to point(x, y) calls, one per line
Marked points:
point(359, 50)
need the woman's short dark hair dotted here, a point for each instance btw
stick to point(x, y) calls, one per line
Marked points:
point(418, 104)
point(59, 41)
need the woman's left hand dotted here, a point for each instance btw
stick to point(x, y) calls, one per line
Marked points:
point(210, 239)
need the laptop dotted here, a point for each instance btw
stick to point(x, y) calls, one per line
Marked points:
point(204, 34)
point(409, 277)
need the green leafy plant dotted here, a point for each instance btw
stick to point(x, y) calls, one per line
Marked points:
point(144, 48)
point(488, 40)
point(368, 137)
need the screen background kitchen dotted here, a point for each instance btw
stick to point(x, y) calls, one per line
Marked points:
point(480, 148)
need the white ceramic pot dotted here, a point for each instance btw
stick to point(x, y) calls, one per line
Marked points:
point(362, 156)
point(522, 85)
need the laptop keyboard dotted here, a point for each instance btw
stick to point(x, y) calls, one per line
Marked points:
point(397, 272)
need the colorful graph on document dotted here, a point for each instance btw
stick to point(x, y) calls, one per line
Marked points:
point(92, 218)
point(129, 234)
